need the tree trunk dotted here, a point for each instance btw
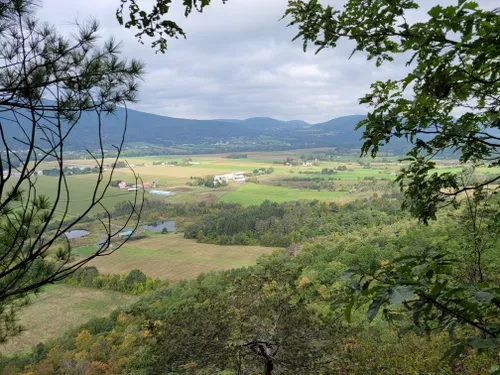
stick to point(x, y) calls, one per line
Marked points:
point(268, 367)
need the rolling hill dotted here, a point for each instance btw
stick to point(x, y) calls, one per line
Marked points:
point(141, 127)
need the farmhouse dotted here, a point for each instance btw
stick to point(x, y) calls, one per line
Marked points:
point(236, 177)
point(143, 185)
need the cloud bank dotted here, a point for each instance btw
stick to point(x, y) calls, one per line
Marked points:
point(239, 62)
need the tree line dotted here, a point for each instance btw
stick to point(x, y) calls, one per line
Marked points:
point(135, 282)
point(274, 224)
point(68, 171)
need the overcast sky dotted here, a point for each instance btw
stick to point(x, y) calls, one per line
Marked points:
point(239, 62)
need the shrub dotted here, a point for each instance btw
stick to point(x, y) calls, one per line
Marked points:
point(135, 276)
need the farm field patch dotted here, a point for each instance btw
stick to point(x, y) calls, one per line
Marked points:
point(172, 257)
point(249, 194)
point(176, 178)
point(81, 189)
point(59, 308)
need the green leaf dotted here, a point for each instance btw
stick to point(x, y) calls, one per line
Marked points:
point(483, 344)
point(348, 310)
point(435, 11)
point(401, 294)
point(373, 309)
point(472, 5)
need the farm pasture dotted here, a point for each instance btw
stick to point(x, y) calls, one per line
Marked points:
point(80, 188)
point(172, 257)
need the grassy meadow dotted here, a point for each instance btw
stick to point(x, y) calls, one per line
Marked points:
point(174, 178)
point(81, 189)
point(172, 257)
point(59, 308)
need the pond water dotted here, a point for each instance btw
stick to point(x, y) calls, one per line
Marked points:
point(77, 233)
point(158, 227)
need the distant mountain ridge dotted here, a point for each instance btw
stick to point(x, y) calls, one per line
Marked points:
point(265, 122)
point(343, 127)
point(169, 131)
point(340, 123)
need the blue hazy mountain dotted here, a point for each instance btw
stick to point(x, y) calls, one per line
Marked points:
point(141, 127)
point(163, 130)
point(342, 129)
point(265, 123)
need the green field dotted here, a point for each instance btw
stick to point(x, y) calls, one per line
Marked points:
point(351, 174)
point(172, 257)
point(80, 193)
point(60, 308)
point(249, 194)
point(175, 178)
point(481, 170)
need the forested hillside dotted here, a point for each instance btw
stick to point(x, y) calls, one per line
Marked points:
point(278, 314)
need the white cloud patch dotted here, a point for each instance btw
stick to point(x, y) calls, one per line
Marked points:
point(304, 72)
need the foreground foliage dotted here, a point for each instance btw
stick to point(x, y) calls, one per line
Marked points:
point(453, 58)
point(277, 318)
point(48, 82)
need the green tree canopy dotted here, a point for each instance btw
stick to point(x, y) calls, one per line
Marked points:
point(446, 104)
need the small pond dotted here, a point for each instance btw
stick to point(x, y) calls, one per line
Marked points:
point(77, 233)
point(158, 227)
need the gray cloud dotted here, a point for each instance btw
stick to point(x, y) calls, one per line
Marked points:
point(239, 62)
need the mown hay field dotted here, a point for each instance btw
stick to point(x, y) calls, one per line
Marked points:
point(172, 257)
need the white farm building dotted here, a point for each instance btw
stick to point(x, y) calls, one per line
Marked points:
point(236, 177)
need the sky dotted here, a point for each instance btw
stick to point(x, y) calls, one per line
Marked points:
point(239, 61)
